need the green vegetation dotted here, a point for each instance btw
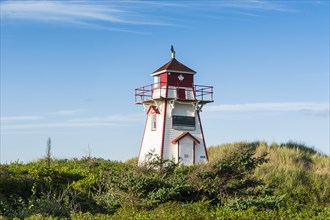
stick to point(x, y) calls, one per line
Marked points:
point(241, 181)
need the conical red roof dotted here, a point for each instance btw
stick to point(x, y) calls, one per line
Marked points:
point(174, 66)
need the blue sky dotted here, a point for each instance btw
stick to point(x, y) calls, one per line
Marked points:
point(69, 69)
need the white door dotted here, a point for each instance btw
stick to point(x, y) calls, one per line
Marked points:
point(186, 150)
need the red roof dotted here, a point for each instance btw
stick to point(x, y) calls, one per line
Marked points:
point(175, 66)
point(178, 138)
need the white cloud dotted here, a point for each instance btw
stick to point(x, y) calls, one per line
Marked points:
point(67, 112)
point(79, 12)
point(58, 125)
point(114, 120)
point(103, 14)
point(253, 5)
point(272, 106)
point(21, 118)
point(16, 118)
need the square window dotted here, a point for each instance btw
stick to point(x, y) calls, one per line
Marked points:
point(183, 122)
point(186, 156)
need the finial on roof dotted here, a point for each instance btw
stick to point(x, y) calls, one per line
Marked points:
point(173, 51)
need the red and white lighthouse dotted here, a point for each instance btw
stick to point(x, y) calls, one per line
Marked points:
point(173, 103)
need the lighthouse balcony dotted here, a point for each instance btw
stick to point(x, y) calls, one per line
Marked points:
point(161, 91)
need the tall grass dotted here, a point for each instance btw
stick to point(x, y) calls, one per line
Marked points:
point(293, 169)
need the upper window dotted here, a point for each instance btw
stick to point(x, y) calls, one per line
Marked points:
point(156, 81)
point(153, 122)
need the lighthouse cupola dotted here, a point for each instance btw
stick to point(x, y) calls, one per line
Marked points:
point(173, 128)
point(175, 74)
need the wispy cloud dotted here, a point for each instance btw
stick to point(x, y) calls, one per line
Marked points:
point(112, 15)
point(308, 107)
point(76, 12)
point(253, 5)
point(247, 5)
point(67, 112)
point(113, 120)
point(20, 118)
point(60, 125)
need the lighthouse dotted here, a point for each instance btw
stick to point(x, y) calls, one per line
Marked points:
point(173, 102)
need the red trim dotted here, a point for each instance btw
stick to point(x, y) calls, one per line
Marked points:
point(194, 153)
point(164, 122)
point(155, 110)
point(194, 93)
point(178, 138)
point(144, 131)
point(200, 123)
point(144, 93)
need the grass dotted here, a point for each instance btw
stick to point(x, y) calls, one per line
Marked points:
point(292, 169)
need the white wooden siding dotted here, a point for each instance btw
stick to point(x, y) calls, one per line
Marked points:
point(172, 92)
point(170, 150)
point(152, 140)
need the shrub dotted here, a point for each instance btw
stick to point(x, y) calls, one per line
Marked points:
point(230, 177)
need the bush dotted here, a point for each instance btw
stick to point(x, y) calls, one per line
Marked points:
point(229, 177)
point(241, 181)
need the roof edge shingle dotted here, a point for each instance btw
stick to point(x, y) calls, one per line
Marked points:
point(174, 65)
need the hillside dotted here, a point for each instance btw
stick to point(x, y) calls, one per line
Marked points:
point(241, 181)
point(292, 169)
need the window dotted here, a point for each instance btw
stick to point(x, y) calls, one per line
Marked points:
point(154, 122)
point(202, 156)
point(156, 81)
point(186, 156)
point(183, 122)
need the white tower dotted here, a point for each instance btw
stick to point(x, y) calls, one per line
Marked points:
point(173, 128)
